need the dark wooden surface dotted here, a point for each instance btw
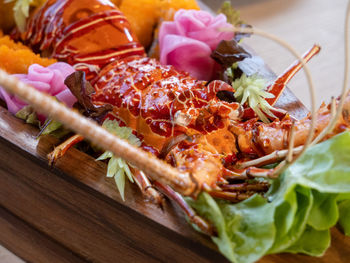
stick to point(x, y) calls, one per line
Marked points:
point(91, 221)
point(84, 222)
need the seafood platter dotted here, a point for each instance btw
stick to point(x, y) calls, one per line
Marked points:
point(148, 131)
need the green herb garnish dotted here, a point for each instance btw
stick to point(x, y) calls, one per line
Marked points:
point(29, 115)
point(251, 90)
point(233, 16)
point(117, 167)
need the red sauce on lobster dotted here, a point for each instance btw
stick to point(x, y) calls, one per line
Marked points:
point(84, 34)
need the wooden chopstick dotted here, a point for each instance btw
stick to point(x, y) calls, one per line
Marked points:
point(148, 163)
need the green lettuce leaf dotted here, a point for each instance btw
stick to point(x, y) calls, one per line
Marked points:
point(324, 213)
point(325, 167)
point(312, 242)
point(289, 230)
point(295, 216)
point(344, 216)
point(245, 230)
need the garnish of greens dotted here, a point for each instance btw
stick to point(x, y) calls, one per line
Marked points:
point(252, 90)
point(249, 89)
point(29, 115)
point(54, 128)
point(21, 11)
point(49, 127)
point(117, 167)
point(234, 18)
point(295, 216)
point(232, 15)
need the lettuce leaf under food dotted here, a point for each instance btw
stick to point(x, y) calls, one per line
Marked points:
point(312, 242)
point(344, 216)
point(295, 216)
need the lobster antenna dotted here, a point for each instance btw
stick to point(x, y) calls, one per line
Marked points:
point(154, 167)
point(313, 112)
point(334, 120)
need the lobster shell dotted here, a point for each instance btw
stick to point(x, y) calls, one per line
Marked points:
point(162, 103)
point(87, 34)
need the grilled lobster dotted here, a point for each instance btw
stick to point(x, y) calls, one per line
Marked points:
point(158, 102)
point(178, 118)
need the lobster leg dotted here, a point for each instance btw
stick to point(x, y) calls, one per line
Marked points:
point(246, 187)
point(148, 191)
point(246, 174)
point(280, 83)
point(270, 142)
point(140, 178)
point(262, 173)
point(233, 197)
point(203, 225)
point(237, 192)
point(61, 149)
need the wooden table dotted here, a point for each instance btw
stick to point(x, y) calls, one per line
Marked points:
point(48, 216)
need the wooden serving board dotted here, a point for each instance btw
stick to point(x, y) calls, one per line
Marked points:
point(73, 213)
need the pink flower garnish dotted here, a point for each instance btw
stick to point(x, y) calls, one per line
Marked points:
point(187, 42)
point(49, 80)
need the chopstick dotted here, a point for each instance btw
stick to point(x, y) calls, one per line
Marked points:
point(155, 168)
